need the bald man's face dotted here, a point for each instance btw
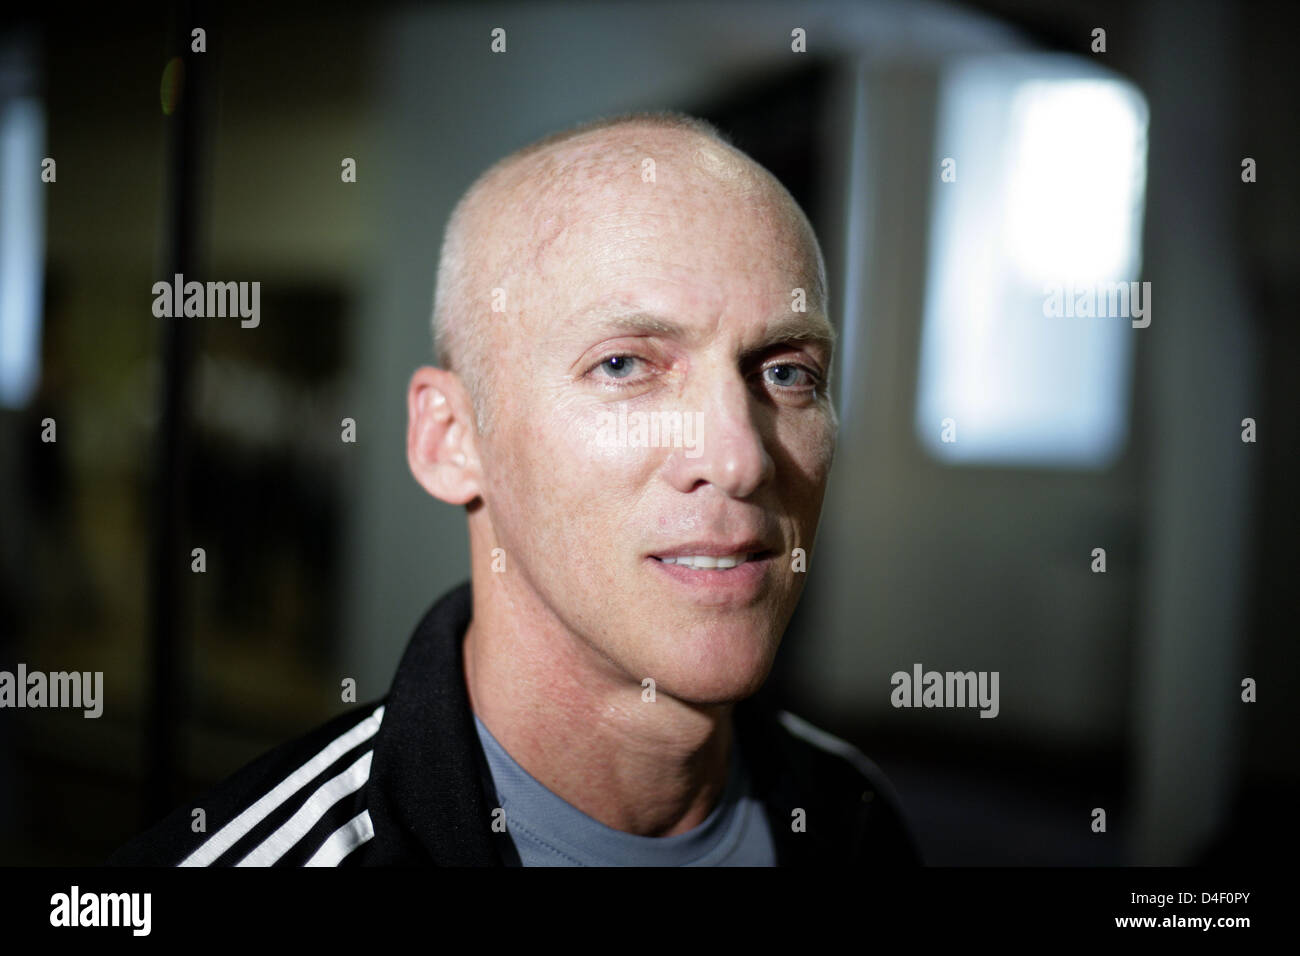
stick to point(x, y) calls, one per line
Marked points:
point(659, 407)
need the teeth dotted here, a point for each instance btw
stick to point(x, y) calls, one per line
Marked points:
point(703, 561)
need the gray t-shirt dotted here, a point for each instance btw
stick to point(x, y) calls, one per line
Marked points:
point(548, 831)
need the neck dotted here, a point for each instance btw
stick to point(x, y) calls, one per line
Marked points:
point(579, 725)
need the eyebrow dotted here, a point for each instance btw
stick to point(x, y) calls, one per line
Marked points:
point(810, 327)
point(637, 323)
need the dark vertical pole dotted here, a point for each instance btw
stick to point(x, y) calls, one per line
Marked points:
point(169, 652)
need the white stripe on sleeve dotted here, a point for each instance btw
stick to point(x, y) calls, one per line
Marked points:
point(318, 804)
point(230, 834)
point(344, 840)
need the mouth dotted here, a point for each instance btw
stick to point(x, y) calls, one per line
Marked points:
point(732, 575)
point(712, 562)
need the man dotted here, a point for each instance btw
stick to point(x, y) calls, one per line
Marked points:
point(632, 406)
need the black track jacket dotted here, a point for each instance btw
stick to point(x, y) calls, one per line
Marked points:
point(403, 781)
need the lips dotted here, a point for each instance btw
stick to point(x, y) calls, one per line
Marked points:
point(717, 575)
point(708, 561)
point(713, 555)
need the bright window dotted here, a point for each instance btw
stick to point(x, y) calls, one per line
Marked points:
point(1045, 211)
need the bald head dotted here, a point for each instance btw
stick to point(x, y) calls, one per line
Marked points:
point(632, 322)
point(503, 236)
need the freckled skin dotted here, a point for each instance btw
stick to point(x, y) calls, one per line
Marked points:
point(561, 642)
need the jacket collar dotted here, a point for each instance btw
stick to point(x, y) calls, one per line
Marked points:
point(429, 796)
point(430, 804)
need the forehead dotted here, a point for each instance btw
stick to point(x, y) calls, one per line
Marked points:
point(698, 226)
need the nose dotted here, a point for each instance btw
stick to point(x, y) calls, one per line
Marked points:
point(730, 452)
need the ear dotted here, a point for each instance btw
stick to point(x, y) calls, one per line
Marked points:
point(440, 436)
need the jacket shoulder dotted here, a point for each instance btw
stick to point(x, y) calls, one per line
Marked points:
point(302, 802)
point(855, 786)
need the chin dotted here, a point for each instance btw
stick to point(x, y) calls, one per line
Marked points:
point(725, 690)
point(714, 670)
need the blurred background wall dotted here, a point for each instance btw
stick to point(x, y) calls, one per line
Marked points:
point(1118, 690)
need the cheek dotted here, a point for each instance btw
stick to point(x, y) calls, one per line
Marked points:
point(567, 479)
point(807, 445)
point(824, 453)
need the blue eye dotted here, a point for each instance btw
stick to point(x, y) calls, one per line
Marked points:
point(618, 366)
point(785, 375)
